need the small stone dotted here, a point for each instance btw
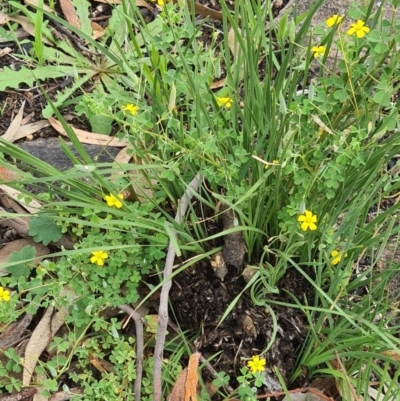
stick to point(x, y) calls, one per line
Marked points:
point(248, 273)
point(219, 266)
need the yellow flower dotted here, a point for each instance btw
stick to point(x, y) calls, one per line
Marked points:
point(318, 50)
point(225, 101)
point(256, 364)
point(131, 108)
point(113, 201)
point(359, 29)
point(160, 2)
point(4, 295)
point(98, 258)
point(334, 20)
point(337, 257)
point(308, 221)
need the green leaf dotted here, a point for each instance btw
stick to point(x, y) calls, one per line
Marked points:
point(382, 98)
point(341, 95)
point(44, 229)
point(82, 9)
point(101, 124)
point(381, 48)
point(374, 36)
point(21, 269)
point(12, 79)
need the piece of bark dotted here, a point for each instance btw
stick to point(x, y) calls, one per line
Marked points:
point(234, 245)
point(14, 332)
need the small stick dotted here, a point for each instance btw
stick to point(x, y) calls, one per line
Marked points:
point(139, 347)
point(22, 395)
point(297, 390)
point(163, 309)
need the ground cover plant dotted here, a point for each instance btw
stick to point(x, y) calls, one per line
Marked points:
point(251, 227)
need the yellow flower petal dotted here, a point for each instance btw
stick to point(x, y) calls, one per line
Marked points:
point(334, 20)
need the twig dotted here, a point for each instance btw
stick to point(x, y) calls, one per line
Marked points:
point(65, 396)
point(163, 310)
point(73, 38)
point(22, 395)
point(139, 347)
point(297, 390)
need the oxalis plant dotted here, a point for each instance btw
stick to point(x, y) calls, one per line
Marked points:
point(302, 163)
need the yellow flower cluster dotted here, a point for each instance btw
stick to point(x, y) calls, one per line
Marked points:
point(358, 28)
point(4, 295)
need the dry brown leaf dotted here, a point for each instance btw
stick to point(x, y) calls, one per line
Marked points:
point(392, 354)
point(101, 364)
point(25, 23)
point(185, 387)
point(218, 84)
point(25, 130)
point(32, 206)
point(112, 2)
point(97, 30)
point(123, 156)
point(89, 137)
point(16, 246)
point(178, 391)
point(15, 124)
point(8, 175)
point(43, 334)
point(142, 3)
point(205, 11)
point(5, 51)
point(35, 3)
point(233, 43)
point(27, 118)
point(70, 14)
point(139, 3)
point(40, 378)
point(192, 378)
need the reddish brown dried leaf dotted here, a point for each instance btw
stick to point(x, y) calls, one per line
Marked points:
point(192, 378)
point(69, 12)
